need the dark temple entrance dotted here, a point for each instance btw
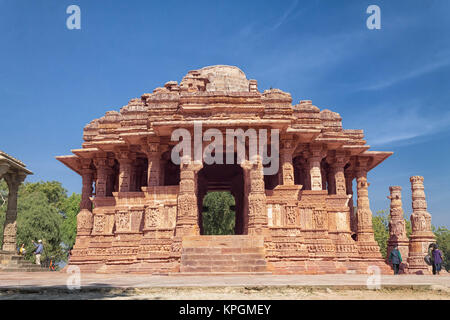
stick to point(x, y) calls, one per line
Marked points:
point(223, 177)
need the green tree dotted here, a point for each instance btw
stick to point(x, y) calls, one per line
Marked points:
point(70, 207)
point(38, 219)
point(218, 219)
point(380, 225)
point(44, 211)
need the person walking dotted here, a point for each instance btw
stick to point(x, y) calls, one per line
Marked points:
point(430, 256)
point(39, 248)
point(396, 259)
point(437, 259)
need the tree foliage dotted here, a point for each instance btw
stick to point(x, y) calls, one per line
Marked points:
point(218, 219)
point(380, 225)
point(44, 211)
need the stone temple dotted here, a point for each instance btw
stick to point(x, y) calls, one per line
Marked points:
point(140, 212)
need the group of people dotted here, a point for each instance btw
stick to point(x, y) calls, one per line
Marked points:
point(37, 252)
point(434, 258)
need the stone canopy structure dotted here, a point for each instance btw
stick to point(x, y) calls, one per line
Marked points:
point(142, 213)
point(14, 172)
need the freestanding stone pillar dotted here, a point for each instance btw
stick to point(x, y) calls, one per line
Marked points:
point(367, 245)
point(421, 235)
point(14, 172)
point(397, 229)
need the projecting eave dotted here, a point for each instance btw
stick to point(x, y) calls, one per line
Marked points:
point(377, 157)
point(72, 162)
point(13, 163)
point(87, 153)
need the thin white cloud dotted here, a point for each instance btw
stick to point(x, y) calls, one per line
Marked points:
point(387, 125)
point(286, 15)
point(424, 69)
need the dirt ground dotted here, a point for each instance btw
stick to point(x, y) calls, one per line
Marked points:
point(233, 293)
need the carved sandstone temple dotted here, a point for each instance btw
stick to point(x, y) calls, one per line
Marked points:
point(142, 213)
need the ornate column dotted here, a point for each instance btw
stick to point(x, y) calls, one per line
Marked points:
point(85, 217)
point(397, 228)
point(153, 170)
point(337, 170)
point(10, 227)
point(101, 164)
point(287, 167)
point(125, 159)
point(422, 234)
point(187, 215)
point(257, 215)
point(314, 157)
point(87, 177)
point(368, 247)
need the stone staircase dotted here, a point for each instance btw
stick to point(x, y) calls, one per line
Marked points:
point(233, 254)
point(11, 262)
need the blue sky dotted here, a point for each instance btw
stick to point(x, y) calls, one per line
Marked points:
point(392, 82)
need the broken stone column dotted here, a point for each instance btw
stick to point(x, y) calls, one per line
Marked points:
point(397, 227)
point(421, 235)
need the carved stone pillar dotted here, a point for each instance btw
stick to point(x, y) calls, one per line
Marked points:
point(257, 215)
point(87, 176)
point(125, 159)
point(337, 169)
point(187, 206)
point(10, 227)
point(422, 234)
point(367, 245)
point(397, 228)
point(101, 164)
point(286, 163)
point(314, 158)
point(153, 170)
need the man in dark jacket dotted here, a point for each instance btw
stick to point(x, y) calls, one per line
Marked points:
point(396, 259)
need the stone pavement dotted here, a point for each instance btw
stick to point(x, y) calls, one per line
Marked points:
point(47, 280)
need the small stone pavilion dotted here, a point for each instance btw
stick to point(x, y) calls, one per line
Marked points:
point(140, 212)
point(14, 172)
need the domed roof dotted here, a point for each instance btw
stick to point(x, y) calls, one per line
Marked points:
point(220, 78)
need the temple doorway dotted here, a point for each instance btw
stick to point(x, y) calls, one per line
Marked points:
point(221, 194)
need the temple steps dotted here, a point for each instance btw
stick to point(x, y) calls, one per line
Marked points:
point(10, 262)
point(221, 255)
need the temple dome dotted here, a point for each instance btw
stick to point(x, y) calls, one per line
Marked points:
point(218, 78)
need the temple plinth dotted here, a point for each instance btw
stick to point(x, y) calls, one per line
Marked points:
point(141, 211)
